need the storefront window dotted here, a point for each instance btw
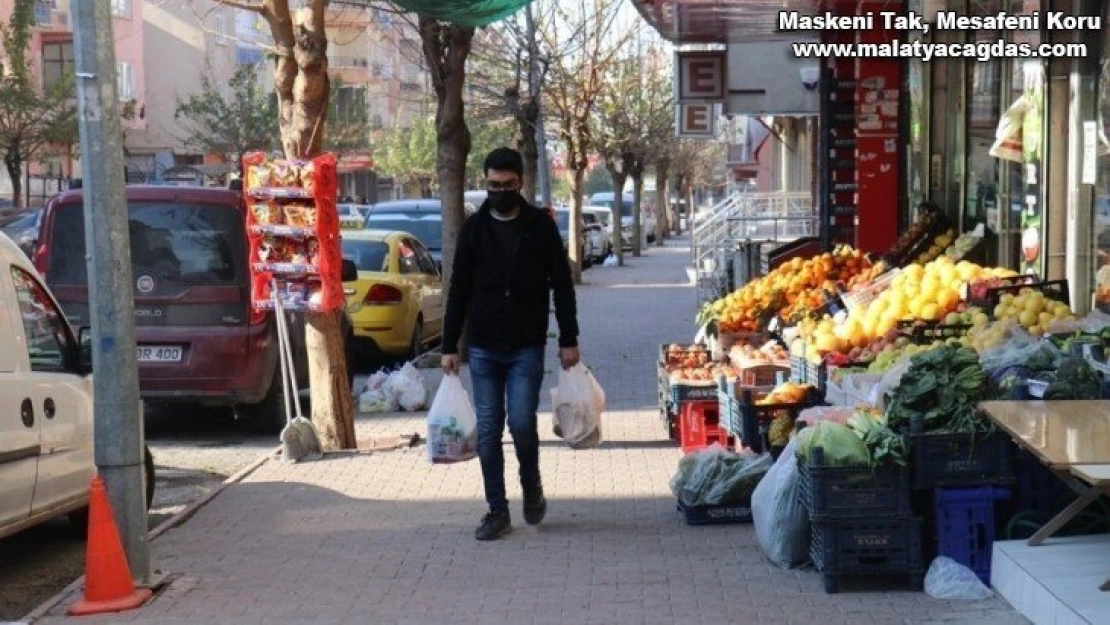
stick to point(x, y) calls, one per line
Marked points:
point(917, 148)
point(984, 86)
point(1102, 180)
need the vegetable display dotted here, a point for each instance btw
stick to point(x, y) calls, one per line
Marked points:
point(943, 388)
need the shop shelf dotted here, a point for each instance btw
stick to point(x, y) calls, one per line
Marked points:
point(833, 493)
point(877, 546)
point(966, 526)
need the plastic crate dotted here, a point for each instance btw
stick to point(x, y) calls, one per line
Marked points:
point(878, 546)
point(861, 297)
point(717, 514)
point(853, 492)
point(1053, 289)
point(762, 375)
point(966, 525)
point(928, 332)
point(699, 426)
point(750, 421)
point(960, 459)
point(1037, 489)
point(983, 299)
point(803, 371)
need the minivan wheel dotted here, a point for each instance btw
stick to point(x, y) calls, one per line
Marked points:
point(268, 415)
point(79, 518)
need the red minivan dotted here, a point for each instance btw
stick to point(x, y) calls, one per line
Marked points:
point(199, 340)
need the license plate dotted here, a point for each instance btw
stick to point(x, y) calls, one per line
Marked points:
point(159, 353)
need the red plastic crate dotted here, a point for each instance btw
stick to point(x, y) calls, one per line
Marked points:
point(699, 425)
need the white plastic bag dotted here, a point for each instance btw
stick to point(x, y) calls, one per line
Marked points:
point(377, 400)
point(407, 388)
point(1009, 137)
point(610, 261)
point(780, 519)
point(374, 382)
point(948, 579)
point(577, 403)
point(452, 424)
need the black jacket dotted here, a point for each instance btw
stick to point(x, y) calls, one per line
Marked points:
point(507, 307)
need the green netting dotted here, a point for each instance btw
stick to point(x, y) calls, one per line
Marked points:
point(463, 12)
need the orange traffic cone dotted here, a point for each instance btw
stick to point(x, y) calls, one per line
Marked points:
point(108, 583)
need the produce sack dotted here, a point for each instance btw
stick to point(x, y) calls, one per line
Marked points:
point(715, 475)
point(780, 519)
point(452, 424)
point(1008, 137)
point(948, 579)
point(577, 403)
point(406, 385)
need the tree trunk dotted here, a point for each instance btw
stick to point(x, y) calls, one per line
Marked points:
point(684, 207)
point(688, 193)
point(15, 173)
point(662, 204)
point(637, 213)
point(526, 142)
point(577, 189)
point(446, 48)
point(618, 176)
point(301, 82)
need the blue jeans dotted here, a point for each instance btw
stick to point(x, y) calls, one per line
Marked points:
point(507, 383)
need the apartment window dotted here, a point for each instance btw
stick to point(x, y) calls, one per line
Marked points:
point(121, 8)
point(57, 62)
point(125, 83)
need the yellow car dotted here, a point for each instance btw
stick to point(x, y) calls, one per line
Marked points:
point(396, 304)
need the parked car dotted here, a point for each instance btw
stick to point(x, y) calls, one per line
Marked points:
point(562, 219)
point(396, 303)
point(607, 198)
point(46, 394)
point(598, 241)
point(200, 341)
point(414, 206)
point(426, 227)
point(23, 229)
point(351, 216)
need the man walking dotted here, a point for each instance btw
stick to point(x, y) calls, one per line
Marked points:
point(509, 259)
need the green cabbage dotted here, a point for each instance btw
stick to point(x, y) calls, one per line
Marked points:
point(840, 444)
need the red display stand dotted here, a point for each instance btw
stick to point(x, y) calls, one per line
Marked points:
point(293, 232)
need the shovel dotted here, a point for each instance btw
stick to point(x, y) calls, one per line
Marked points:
point(299, 440)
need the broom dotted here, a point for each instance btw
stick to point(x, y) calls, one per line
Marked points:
point(299, 440)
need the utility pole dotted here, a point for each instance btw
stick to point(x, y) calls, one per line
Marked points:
point(117, 419)
point(534, 88)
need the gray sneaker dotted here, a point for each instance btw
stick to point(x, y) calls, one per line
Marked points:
point(494, 525)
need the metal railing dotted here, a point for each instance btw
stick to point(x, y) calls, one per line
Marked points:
point(764, 217)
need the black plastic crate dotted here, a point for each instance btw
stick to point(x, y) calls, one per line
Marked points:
point(717, 514)
point(692, 392)
point(881, 546)
point(755, 419)
point(960, 459)
point(928, 332)
point(834, 493)
point(1053, 289)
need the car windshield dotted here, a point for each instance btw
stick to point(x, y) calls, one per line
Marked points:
point(428, 231)
point(367, 255)
point(27, 220)
point(185, 244)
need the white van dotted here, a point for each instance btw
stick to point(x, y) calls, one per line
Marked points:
point(46, 403)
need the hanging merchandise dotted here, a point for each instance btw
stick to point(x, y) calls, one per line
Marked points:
point(293, 230)
point(1032, 125)
point(1008, 138)
point(464, 12)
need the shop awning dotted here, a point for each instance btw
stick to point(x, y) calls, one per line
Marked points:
point(354, 162)
point(724, 21)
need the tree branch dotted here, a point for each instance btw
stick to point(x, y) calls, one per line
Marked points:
point(260, 9)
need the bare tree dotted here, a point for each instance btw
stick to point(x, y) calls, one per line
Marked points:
point(301, 81)
point(583, 40)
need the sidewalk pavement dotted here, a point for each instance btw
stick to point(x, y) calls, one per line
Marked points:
point(384, 537)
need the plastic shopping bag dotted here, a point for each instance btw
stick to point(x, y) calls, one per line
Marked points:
point(452, 424)
point(577, 404)
point(1008, 138)
point(780, 518)
point(407, 388)
point(948, 579)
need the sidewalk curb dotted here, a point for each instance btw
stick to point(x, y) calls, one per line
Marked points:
point(170, 523)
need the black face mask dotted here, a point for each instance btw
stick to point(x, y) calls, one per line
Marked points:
point(504, 201)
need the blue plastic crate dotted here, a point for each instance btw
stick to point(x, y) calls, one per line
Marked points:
point(965, 526)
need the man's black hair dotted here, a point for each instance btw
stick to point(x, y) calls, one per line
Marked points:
point(505, 159)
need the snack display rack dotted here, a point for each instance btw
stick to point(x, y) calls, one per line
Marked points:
point(293, 232)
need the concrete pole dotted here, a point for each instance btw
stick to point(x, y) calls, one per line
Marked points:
point(534, 90)
point(117, 418)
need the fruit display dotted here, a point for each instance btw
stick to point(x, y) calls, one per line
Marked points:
point(787, 393)
point(748, 356)
point(704, 375)
point(929, 292)
point(937, 247)
point(978, 291)
point(794, 290)
point(691, 356)
point(867, 276)
point(913, 235)
point(1032, 310)
point(962, 245)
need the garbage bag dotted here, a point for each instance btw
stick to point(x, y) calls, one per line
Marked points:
point(375, 381)
point(948, 579)
point(577, 403)
point(780, 519)
point(715, 475)
point(452, 424)
point(406, 385)
point(610, 261)
point(377, 400)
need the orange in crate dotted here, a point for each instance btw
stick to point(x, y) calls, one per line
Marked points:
point(699, 426)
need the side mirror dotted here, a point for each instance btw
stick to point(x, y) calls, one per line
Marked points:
point(84, 350)
point(349, 271)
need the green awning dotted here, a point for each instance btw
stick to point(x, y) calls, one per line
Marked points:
point(463, 12)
